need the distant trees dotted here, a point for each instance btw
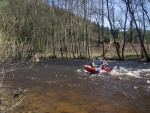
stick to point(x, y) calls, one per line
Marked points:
point(69, 28)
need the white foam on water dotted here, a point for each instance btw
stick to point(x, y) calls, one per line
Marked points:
point(102, 71)
point(32, 78)
point(135, 74)
point(121, 78)
point(93, 75)
point(147, 74)
point(121, 71)
point(148, 81)
point(135, 87)
point(118, 71)
point(145, 70)
point(79, 70)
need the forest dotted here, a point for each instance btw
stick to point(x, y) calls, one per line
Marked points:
point(75, 28)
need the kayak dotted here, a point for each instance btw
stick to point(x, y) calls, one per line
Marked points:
point(97, 70)
point(104, 67)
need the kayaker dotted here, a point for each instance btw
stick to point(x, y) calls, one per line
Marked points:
point(104, 63)
point(92, 64)
point(36, 58)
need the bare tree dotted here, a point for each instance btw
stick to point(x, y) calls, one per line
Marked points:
point(132, 9)
point(111, 19)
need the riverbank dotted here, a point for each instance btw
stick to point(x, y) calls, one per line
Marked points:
point(11, 98)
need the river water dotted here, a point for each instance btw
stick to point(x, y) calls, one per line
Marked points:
point(64, 86)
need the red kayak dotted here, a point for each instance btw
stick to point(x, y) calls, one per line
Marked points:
point(96, 70)
point(104, 67)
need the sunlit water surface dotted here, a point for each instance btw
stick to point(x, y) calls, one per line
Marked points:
point(64, 86)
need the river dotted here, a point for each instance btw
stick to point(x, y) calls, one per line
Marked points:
point(64, 86)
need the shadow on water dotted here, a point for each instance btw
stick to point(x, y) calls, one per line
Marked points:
point(63, 86)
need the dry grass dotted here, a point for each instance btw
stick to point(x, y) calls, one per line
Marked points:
point(129, 53)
